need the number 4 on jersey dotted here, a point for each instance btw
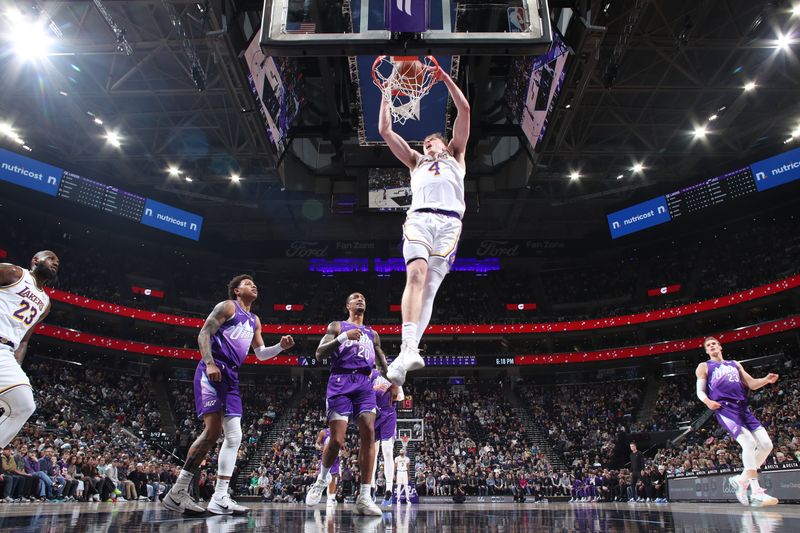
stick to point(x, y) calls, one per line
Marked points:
point(434, 168)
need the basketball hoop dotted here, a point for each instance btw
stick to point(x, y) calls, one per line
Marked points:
point(404, 439)
point(403, 81)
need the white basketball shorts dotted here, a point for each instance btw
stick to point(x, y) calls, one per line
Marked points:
point(433, 237)
point(11, 373)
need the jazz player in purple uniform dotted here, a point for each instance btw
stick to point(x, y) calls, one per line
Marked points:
point(323, 437)
point(224, 340)
point(386, 393)
point(354, 350)
point(722, 385)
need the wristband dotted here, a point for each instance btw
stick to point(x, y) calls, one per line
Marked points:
point(342, 338)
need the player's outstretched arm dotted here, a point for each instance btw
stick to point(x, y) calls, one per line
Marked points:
point(380, 356)
point(268, 352)
point(458, 144)
point(396, 144)
point(753, 383)
point(221, 313)
point(9, 274)
point(702, 376)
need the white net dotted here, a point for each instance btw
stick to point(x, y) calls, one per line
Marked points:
point(404, 90)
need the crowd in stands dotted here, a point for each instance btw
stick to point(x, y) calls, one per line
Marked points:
point(608, 283)
point(81, 443)
point(476, 442)
point(583, 420)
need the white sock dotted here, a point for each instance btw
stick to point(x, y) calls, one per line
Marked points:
point(323, 472)
point(365, 491)
point(184, 478)
point(222, 487)
point(754, 486)
point(409, 334)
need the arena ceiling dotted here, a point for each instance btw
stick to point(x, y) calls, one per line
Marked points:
point(643, 82)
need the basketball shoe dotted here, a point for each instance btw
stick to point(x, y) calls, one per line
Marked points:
point(408, 360)
point(760, 498)
point(226, 505)
point(740, 489)
point(178, 500)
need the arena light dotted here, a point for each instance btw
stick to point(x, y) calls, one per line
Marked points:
point(174, 171)
point(98, 121)
point(712, 118)
point(235, 178)
point(574, 175)
point(620, 176)
point(188, 178)
point(700, 132)
point(796, 10)
point(638, 167)
point(113, 138)
point(784, 41)
point(29, 38)
point(749, 86)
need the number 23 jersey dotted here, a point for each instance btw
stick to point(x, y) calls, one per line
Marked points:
point(21, 305)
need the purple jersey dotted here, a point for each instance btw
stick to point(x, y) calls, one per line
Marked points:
point(725, 382)
point(382, 399)
point(354, 355)
point(232, 341)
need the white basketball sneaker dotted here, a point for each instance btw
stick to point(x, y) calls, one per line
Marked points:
point(408, 360)
point(760, 498)
point(314, 494)
point(226, 505)
point(178, 500)
point(740, 489)
point(366, 507)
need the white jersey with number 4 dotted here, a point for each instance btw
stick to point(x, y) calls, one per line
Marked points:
point(438, 183)
point(21, 305)
point(401, 463)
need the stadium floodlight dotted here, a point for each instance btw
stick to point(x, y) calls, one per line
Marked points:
point(188, 178)
point(700, 131)
point(235, 178)
point(637, 167)
point(749, 86)
point(113, 139)
point(174, 171)
point(29, 39)
point(796, 10)
point(619, 176)
point(784, 41)
point(574, 175)
point(712, 118)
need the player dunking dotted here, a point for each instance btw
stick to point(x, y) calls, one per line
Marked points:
point(386, 393)
point(725, 382)
point(355, 349)
point(224, 341)
point(23, 304)
point(433, 224)
point(323, 437)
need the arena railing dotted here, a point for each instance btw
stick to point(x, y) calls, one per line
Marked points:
point(732, 336)
point(669, 313)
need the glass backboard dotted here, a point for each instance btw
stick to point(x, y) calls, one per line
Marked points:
point(407, 27)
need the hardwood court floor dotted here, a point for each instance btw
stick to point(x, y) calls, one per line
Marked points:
point(433, 518)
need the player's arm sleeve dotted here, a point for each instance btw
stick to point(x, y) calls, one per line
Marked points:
point(701, 389)
point(267, 352)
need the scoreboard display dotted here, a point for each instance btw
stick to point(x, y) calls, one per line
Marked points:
point(100, 196)
point(758, 177)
